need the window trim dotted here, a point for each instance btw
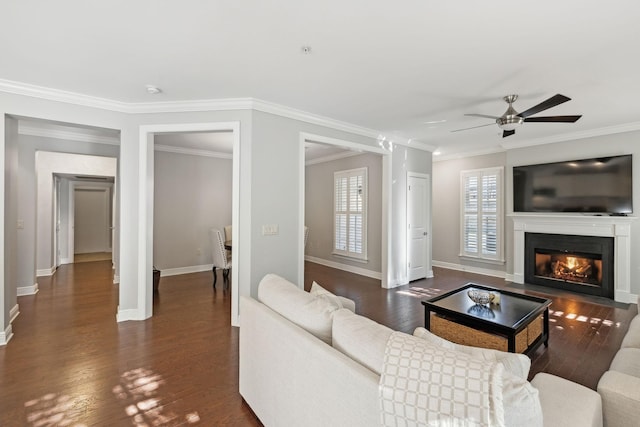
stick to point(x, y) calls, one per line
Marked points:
point(498, 258)
point(363, 171)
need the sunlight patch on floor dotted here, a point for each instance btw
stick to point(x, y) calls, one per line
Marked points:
point(420, 292)
point(140, 389)
point(56, 410)
point(581, 318)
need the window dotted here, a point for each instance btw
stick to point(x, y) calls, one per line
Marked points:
point(350, 213)
point(481, 207)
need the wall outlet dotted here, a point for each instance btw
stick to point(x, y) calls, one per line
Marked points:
point(20, 224)
point(199, 251)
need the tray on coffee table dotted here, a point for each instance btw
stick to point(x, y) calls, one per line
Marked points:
point(519, 323)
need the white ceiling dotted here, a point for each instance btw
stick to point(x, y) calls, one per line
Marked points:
point(387, 66)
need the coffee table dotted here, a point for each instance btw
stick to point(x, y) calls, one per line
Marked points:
point(520, 323)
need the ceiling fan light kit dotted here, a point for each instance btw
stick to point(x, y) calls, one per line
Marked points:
point(511, 119)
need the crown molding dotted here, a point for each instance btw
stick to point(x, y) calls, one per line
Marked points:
point(66, 135)
point(182, 106)
point(571, 136)
point(192, 151)
point(470, 153)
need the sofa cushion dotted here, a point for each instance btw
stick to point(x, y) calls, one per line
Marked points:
point(342, 302)
point(632, 338)
point(627, 361)
point(305, 310)
point(517, 364)
point(360, 338)
point(521, 402)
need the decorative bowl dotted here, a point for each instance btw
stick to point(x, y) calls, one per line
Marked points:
point(479, 297)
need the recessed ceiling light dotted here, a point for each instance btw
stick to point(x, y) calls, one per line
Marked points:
point(436, 153)
point(433, 122)
point(306, 50)
point(153, 89)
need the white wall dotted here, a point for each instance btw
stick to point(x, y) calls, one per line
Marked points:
point(319, 192)
point(191, 195)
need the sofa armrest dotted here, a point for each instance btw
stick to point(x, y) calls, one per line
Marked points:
point(620, 399)
point(565, 403)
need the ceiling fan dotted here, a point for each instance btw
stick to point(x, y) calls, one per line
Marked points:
point(511, 119)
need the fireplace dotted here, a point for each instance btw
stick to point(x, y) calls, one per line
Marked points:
point(581, 264)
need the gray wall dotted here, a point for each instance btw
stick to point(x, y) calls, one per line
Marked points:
point(446, 208)
point(319, 209)
point(191, 195)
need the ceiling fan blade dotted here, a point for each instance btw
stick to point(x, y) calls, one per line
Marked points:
point(483, 115)
point(506, 133)
point(481, 126)
point(551, 102)
point(560, 119)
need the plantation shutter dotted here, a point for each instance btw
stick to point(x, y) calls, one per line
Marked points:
point(350, 213)
point(481, 222)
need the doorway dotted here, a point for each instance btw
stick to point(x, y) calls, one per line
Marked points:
point(346, 148)
point(144, 267)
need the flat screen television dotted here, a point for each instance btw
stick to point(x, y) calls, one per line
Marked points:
point(600, 185)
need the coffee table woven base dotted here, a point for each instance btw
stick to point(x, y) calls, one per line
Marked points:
point(461, 334)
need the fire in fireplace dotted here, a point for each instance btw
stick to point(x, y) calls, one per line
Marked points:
point(577, 263)
point(576, 268)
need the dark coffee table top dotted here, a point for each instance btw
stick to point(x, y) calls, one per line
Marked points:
point(513, 313)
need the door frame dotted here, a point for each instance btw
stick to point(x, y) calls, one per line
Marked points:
point(427, 262)
point(106, 189)
point(144, 290)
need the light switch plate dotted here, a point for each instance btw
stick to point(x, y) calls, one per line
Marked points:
point(270, 229)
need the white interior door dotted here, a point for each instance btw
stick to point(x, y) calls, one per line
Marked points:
point(418, 226)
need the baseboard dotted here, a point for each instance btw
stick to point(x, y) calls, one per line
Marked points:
point(469, 269)
point(13, 313)
point(116, 279)
point(6, 335)
point(131, 314)
point(65, 261)
point(185, 270)
point(46, 271)
point(344, 267)
point(27, 290)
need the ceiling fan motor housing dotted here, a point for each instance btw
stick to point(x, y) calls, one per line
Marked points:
point(510, 119)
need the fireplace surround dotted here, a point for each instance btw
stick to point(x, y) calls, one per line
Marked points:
point(619, 228)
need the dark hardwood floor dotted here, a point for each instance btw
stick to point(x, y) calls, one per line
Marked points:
point(70, 363)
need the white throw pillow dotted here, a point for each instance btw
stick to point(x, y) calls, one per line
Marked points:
point(360, 338)
point(305, 310)
point(342, 302)
point(517, 364)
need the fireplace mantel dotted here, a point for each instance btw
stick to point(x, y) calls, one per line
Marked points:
point(618, 227)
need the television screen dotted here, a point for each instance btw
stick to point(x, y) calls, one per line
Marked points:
point(598, 185)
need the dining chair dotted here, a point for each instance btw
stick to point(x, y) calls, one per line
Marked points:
point(228, 236)
point(219, 256)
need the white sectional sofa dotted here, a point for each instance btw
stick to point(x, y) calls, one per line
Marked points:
point(620, 385)
point(306, 359)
